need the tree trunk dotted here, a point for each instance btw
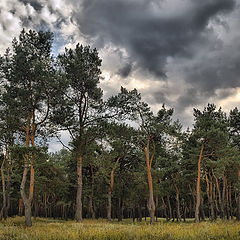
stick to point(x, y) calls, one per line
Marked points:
point(120, 209)
point(20, 207)
point(169, 207)
point(178, 205)
point(92, 212)
point(27, 201)
point(28, 213)
point(202, 209)
point(109, 207)
point(210, 196)
point(4, 206)
point(139, 213)
point(78, 213)
point(198, 194)
point(151, 203)
point(238, 199)
point(238, 207)
point(165, 209)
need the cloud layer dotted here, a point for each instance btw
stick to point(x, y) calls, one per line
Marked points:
point(181, 52)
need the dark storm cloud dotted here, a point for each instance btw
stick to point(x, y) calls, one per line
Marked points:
point(215, 72)
point(125, 70)
point(149, 38)
point(35, 4)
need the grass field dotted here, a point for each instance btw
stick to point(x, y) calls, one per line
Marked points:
point(43, 229)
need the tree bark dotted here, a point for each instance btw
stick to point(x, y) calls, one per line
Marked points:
point(151, 203)
point(4, 206)
point(28, 213)
point(210, 196)
point(165, 209)
point(28, 200)
point(109, 207)
point(169, 207)
point(78, 213)
point(238, 199)
point(91, 208)
point(198, 194)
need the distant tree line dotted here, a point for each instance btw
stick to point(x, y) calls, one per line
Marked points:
point(123, 159)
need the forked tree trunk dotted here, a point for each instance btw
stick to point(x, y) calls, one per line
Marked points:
point(28, 200)
point(151, 203)
point(198, 194)
point(78, 213)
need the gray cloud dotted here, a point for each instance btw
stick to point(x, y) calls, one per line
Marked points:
point(149, 35)
point(35, 4)
point(184, 51)
point(125, 70)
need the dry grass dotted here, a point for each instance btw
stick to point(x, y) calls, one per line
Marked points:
point(43, 229)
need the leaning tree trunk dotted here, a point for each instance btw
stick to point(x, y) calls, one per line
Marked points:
point(198, 194)
point(78, 213)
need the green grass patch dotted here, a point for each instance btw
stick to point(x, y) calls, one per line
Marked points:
point(42, 229)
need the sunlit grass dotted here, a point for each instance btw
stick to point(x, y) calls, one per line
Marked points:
point(42, 229)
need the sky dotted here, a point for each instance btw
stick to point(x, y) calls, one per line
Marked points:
point(184, 53)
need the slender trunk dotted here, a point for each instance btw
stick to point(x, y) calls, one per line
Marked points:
point(169, 207)
point(92, 212)
point(165, 209)
point(178, 206)
point(109, 207)
point(223, 197)
point(230, 200)
point(78, 213)
point(198, 194)
point(219, 197)
point(156, 206)
point(151, 203)
point(202, 209)
point(139, 213)
point(4, 206)
point(238, 199)
point(8, 186)
point(177, 199)
point(20, 207)
point(210, 196)
point(120, 209)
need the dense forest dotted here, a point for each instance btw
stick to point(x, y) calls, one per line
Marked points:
point(123, 160)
